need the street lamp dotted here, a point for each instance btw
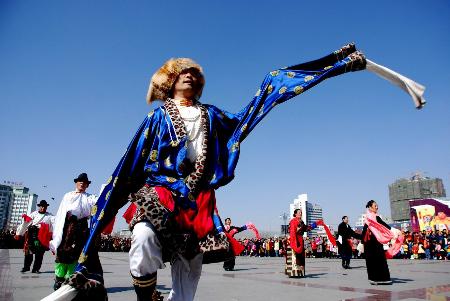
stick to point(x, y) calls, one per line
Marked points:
point(284, 216)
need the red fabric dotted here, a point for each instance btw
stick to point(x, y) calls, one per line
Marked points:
point(44, 235)
point(233, 232)
point(367, 236)
point(295, 237)
point(165, 198)
point(26, 218)
point(109, 227)
point(129, 213)
point(350, 243)
point(200, 220)
point(327, 230)
point(235, 245)
point(252, 227)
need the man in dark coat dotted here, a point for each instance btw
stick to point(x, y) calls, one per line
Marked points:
point(345, 233)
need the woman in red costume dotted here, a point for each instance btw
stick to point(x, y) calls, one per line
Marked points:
point(228, 265)
point(295, 257)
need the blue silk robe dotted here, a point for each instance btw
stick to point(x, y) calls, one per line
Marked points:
point(157, 153)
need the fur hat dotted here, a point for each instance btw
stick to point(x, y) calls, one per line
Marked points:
point(163, 79)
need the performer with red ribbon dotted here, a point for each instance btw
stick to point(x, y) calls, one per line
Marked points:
point(295, 255)
point(327, 231)
point(36, 229)
point(230, 230)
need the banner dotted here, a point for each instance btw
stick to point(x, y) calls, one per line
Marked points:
point(429, 215)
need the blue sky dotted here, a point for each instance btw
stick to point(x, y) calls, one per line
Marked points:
point(74, 75)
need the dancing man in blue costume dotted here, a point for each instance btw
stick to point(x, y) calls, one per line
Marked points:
point(181, 153)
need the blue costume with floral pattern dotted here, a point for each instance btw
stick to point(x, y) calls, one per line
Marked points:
point(157, 153)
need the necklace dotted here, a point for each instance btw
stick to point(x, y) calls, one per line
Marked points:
point(190, 115)
point(184, 102)
point(191, 119)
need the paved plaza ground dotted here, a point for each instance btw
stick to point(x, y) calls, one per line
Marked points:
point(254, 279)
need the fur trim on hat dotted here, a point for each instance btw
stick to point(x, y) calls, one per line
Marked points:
point(163, 79)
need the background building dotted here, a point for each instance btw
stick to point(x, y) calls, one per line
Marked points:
point(416, 187)
point(23, 201)
point(311, 212)
point(6, 195)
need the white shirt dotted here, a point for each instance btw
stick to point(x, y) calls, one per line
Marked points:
point(78, 204)
point(192, 121)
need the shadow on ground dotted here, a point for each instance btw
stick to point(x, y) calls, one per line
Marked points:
point(237, 270)
point(399, 280)
point(315, 275)
point(118, 289)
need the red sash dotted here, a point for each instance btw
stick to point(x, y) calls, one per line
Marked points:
point(198, 220)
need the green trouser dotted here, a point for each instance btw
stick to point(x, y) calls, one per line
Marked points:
point(64, 270)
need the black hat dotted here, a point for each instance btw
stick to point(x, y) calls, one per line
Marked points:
point(43, 203)
point(83, 177)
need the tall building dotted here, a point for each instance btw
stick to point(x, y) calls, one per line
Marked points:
point(416, 187)
point(310, 212)
point(6, 195)
point(23, 202)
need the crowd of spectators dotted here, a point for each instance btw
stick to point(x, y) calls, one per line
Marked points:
point(425, 245)
point(111, 243)
point(417, 245)
point(108, 243)
point(315, 247)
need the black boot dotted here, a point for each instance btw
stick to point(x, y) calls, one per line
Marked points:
point(229, 264)
point(38, 256)
point(27, 263)
point(58, 282)
point(145, 288)
point(347, 263)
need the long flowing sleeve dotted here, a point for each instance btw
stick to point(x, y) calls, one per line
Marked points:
point(58, 224)
point(380, 221)
point(126, 178)
point(235, 230)
point(22, 228)
point(283, 84)
point(278, 86)
point(414, 89)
